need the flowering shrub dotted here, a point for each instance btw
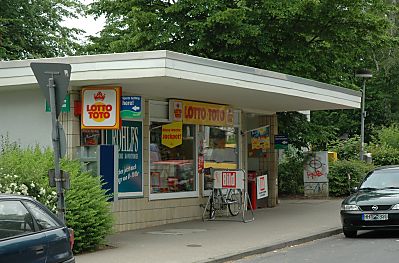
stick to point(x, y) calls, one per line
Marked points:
point(13, 184)
point(25, 172)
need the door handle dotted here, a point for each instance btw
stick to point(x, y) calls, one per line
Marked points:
point(39, 250)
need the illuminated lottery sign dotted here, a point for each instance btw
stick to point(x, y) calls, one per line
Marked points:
point(100, 107)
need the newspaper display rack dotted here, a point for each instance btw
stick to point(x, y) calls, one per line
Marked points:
point(228, 193)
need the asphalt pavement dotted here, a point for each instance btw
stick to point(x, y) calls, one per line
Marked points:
point(292, 222)
point(368, 247)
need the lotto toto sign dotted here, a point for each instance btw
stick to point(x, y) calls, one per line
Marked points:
point(229, 179)
point(100, 107)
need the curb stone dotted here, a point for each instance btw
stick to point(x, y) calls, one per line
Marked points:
point(265, 249)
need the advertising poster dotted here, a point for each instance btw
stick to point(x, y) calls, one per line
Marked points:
point(261, 186)
point(172, 134)
point(131, 107)
point(90, 137)
point(129, 140)
point(229, 179)
point(260, 140)
point(100, 108)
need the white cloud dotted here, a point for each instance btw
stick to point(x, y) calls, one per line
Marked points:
point(88, 24)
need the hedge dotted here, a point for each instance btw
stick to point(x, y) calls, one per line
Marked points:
point(344, 175)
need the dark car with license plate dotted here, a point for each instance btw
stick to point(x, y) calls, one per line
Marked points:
point(375, 203)
point(29, 232)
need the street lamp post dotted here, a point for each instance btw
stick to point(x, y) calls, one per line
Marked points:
point(364, 74)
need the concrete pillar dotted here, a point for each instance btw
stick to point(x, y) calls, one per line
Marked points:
point(270, 163)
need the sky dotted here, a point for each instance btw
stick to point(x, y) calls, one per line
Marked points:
point(88, 24)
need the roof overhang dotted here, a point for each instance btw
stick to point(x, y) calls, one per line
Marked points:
point(166, 74)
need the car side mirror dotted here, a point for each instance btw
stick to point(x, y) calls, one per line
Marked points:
point(354, 189)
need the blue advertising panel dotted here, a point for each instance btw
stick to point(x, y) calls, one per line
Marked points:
point(107, 169)
point(129, 140)
point(131, 107)
point(281, 142)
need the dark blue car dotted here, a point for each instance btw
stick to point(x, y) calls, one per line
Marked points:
point(29, 232)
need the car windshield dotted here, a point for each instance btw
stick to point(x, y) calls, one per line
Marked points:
point(220, 155)
point(382, 179)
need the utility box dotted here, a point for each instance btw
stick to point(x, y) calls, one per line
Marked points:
point(315, 175)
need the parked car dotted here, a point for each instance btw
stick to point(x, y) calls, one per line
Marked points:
point(29, 232)
point(375, 203)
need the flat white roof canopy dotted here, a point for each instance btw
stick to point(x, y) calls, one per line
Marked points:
point(165, 74)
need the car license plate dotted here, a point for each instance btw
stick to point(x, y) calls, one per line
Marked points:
point(374, 217)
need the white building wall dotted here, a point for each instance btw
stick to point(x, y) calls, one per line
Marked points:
point(24, 119)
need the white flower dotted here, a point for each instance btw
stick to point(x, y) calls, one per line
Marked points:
point(54, 193)
point(15, 176)
point(24, 189)
point(42, 191)
point(32, 184)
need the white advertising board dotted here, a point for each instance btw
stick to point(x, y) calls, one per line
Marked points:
point(229, 179)
point(316, 167)
point(261, 187)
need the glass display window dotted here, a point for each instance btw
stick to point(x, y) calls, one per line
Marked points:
point(172, 167)
point(220, 151)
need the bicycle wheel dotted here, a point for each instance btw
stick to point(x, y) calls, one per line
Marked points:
point(234, 201)
point(212, 210)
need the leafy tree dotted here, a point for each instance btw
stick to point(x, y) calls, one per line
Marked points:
point(325, 40)
point(32, 28)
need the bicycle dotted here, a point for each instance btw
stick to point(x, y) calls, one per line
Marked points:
point(228, 193)
point(232, 200)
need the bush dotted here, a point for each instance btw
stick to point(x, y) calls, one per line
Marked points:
point(348, 149)
point(290, 173)
point(25, 171)
point(344, 175)
point(384, 155)
point(88, 211)
point(388, 137)
point(385, 146)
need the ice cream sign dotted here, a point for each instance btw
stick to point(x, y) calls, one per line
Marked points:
point(100, 107)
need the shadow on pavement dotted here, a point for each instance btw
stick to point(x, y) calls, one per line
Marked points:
point(378, 234)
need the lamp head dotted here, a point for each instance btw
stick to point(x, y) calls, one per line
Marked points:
point(363, 73)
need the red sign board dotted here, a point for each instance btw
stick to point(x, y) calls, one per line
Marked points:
point(229, 179)
point(262, 184)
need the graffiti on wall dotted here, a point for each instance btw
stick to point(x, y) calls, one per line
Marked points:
point(316, 167)
point(316, 189)
point(315, 174)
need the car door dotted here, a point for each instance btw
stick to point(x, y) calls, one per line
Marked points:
point(18, 240)
point(57, 234)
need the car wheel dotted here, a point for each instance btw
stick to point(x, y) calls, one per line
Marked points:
point(350, 233)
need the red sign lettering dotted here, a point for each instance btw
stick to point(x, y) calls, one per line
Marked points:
point(229, 179)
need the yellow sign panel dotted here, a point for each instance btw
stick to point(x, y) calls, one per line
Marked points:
point(260, 138)
point(191, 112)
point(172, 134)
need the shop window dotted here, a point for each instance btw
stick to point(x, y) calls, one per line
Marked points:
point(172, 169)
point(220, 151)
